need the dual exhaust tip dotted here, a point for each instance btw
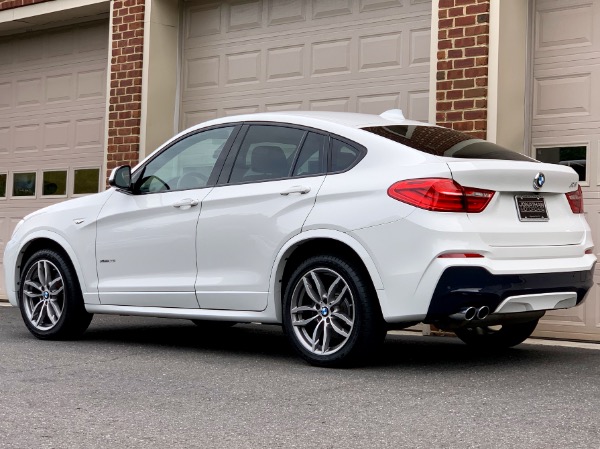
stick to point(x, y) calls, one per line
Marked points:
point(472, 313)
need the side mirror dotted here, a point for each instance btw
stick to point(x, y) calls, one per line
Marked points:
point(120, 177)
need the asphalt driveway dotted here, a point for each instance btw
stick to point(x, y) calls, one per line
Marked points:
point(140, 382)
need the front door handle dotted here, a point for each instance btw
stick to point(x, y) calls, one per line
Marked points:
point(296, 189)
point(186, 203)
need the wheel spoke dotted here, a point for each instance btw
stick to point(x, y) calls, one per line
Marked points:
point(31, 313)
point(325, 345)
point(50, 314)
point(41, 276)
point(319, 284)
point(54, 281)
point(332, 288)
point(31, 294)
point(314, 335)
point(304, 309)
point(34, 285)
point(342, 317)
point(56, 310)
point(47, 273)
point(41, 315)
point(339, 297)
point(304, 322)
point(56, 292)
point(310, 291)
point(339, 330)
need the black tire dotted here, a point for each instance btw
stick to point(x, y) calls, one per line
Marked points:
point(210, 325)
point(73, 319)
point(507, 336)
point(353, 299)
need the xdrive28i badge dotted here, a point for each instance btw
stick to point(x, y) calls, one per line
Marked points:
point(539, 181)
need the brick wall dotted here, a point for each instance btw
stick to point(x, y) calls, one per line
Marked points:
point(8, 4)
point(125, 96)
point(462, 65)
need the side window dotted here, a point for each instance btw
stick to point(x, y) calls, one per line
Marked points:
point(186, 164)
point(313, 156)
point(2, 185)
point(574, 156)
point(342, 155)
point(267, 152)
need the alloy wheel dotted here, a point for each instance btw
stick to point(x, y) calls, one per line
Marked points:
point(43, 295)
point(322, 311)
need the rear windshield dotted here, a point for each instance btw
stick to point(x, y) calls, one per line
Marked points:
point(446, 142)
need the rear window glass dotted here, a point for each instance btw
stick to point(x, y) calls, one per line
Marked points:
point(342, 155)
point(445, 142)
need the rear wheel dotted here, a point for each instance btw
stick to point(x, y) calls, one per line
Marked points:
point(50, 297)
point(331, 314)
point(492, 337)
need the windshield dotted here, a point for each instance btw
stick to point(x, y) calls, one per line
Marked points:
point(445, 142)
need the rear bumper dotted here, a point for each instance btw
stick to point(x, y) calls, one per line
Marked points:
point(462, 287)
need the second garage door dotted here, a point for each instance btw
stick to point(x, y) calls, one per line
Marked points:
point(566, 126)
point(274, 55)
point(52, 112)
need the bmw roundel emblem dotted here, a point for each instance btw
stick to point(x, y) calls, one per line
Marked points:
point(539, 181)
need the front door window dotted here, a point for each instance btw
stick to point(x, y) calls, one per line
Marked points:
point(185, 165)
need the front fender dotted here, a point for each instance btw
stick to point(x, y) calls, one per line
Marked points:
point(83, 261)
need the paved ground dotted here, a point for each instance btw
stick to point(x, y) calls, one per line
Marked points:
point(134, 382)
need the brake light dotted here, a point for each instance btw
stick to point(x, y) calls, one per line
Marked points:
point(441, 195)
point(575, 199)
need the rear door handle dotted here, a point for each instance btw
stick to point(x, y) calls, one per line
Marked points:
point(186, 203)
point(296, 189)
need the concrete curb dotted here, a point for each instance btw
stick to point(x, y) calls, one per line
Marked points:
point(529, 341)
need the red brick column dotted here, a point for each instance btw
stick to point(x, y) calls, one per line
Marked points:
point(125, 96)
point(9, 4)
point(462, 65)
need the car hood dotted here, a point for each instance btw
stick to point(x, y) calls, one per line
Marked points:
point(85, 202)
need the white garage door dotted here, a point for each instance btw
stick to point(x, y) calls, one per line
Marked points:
point(566, 125)
point(274, 55)
point(52, 110)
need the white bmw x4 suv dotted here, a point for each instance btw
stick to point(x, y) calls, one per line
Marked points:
point(337, 225)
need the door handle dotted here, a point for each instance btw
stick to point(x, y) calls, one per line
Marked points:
point(187, 202)
point(296, 189)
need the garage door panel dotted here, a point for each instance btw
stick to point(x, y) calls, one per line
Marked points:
point(566, 27)
point(77, 85)
point(352, 54)
point(412, 97)
point(565, 93)
point(207, 23)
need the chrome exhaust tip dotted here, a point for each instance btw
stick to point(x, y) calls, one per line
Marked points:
point(482, 312)
point(466, 314)
point(470, 313)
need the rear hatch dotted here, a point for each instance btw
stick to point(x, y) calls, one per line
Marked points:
point(516, 216)
point(519, 214)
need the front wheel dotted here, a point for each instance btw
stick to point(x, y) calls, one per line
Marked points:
point(490, 337)
point(50, 298)
point(331, 314)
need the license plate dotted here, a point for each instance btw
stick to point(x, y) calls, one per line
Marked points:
point(531, 208)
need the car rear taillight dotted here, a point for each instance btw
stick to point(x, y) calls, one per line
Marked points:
point(575, 199)
point(441, 195)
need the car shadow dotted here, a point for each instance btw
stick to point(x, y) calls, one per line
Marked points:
point(269, 342)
